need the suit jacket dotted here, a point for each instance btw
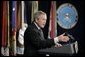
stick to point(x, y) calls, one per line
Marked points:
point(33, 42)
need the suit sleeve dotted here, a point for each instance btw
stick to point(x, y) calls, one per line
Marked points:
point(35, 40)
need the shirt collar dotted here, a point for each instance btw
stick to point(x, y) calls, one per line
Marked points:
point(36, 25)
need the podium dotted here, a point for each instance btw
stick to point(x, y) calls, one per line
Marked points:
point(66, 49)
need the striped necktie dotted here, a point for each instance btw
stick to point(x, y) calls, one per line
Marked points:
point(42, 35)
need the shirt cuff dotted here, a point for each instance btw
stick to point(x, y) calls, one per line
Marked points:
point(56, 40)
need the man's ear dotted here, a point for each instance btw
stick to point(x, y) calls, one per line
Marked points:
point(36, 20)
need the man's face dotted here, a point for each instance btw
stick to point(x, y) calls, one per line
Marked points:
point(41, 21)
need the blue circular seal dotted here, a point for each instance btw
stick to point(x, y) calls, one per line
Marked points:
point(67, 16)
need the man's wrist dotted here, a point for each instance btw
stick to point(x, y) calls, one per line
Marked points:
point(56, 40)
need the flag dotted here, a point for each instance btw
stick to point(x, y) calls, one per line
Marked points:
point(34, 9)
point(4, 13)
point(52, 23)
point(13, 29)
point(23, 14)
point(8, 29)
point(5, 29)
point(20, 48)
point(19, 15)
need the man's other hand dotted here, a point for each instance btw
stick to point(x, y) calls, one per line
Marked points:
point(63, 38)
point(58, 45)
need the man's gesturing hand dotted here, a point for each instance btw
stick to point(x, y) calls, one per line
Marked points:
point(63, 38)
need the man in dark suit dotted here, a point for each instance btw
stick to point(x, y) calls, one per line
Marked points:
point(34, 38)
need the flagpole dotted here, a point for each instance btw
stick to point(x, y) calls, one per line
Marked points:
point(22, 4)
point(34, 9)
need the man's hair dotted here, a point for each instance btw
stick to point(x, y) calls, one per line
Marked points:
point(37, 14)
